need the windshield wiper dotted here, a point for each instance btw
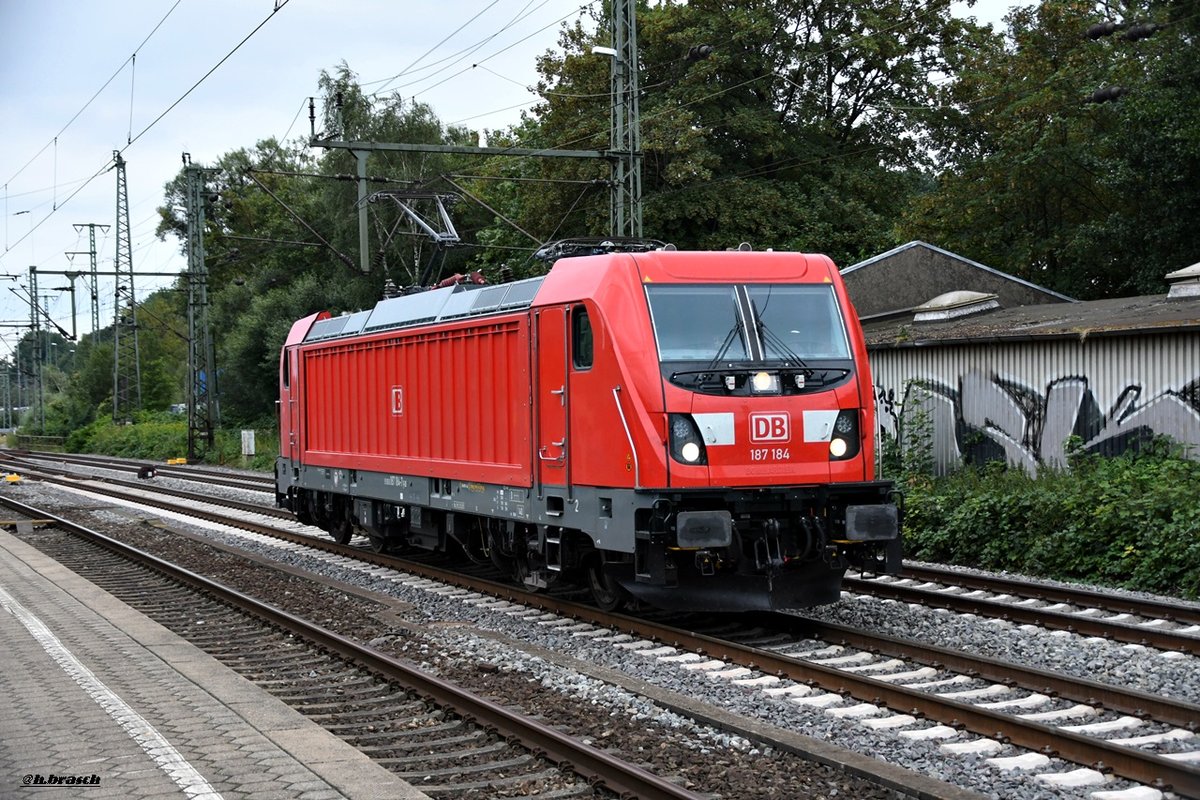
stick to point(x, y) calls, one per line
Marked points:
point(769, 336)
point(735, 331)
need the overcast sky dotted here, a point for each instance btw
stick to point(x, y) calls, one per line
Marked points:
point(71, 95)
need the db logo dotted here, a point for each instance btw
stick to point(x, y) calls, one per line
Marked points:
point(770, 427)
point(397, 401)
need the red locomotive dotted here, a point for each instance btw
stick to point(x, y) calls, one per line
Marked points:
point(691, 429)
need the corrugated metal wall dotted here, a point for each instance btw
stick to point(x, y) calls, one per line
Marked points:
point(1020, 400)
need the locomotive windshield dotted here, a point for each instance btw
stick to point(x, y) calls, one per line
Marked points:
point(756, 322)
point(714, 338)
point(799, 320)
point(694, 323)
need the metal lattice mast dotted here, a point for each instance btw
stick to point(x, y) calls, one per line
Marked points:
point(203, 410)
point(35, 325)
point(625, 214)
point(127, 371)
point(95, 285)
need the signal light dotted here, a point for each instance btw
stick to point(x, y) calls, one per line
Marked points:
point(687, 446)
point(765, 383)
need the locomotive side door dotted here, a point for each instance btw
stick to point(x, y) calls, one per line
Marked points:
point(288, 418)
point(552, 398)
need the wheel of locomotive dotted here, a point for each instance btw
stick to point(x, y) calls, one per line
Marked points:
point(607, 594)
point(378, 543)
point(341, 530)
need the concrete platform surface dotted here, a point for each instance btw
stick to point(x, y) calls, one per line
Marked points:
point(99, 701)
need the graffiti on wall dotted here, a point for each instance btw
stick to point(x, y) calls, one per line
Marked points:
point(987, 417)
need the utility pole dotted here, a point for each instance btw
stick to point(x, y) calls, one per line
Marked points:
point(127, 369)
point(36, 326)
point(91, 251)
point(203, 411)
point(625, 208)
point(7, 398)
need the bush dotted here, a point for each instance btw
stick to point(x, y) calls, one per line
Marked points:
point(160, 436)
point(1131, 521)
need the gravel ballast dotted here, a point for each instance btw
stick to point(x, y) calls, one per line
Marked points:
point(458, 637)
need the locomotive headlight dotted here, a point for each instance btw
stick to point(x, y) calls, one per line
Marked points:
point(845, 440)
point(765, 383)
point(686, 445)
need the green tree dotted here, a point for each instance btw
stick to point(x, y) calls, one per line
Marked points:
point(1090, 199)
point(797, 131)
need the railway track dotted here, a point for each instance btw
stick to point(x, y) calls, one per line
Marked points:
point(1150, 609)
point(854, 674)
point(1088, 613)
point(1173, 628)
point(448, 741)
point(262, 483)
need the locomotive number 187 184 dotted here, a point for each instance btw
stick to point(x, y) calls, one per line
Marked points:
point(770, 454)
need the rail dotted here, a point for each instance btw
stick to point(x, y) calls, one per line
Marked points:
point(617, 775)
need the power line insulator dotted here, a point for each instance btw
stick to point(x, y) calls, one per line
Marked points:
point(1107, 94)
point(1141, 30)
point(1102, 29)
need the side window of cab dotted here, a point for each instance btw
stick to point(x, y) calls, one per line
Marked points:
point(582, 340)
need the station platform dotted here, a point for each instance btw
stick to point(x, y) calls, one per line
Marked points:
point(99, 701)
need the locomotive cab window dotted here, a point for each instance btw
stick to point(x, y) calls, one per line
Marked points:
point(799, 320)
point(747, 339)
point(697, 323)
point(582, 343)
point(287, 362)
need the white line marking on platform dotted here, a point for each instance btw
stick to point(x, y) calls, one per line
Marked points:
point(158, 748)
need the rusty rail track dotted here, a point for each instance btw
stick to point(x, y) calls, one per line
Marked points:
point(263, 483)
point(1126, 762)
point(596, 765)
point(1046, 618)
point(1074, 595)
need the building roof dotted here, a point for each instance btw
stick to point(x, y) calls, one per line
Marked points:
point(1079, 320)
point(905, 277)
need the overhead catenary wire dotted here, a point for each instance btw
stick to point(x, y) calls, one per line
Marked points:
point(279, 5)
point(488, 57)
point(711, 95)
point(445, 39)
point(457, 56)
point(98, 92)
